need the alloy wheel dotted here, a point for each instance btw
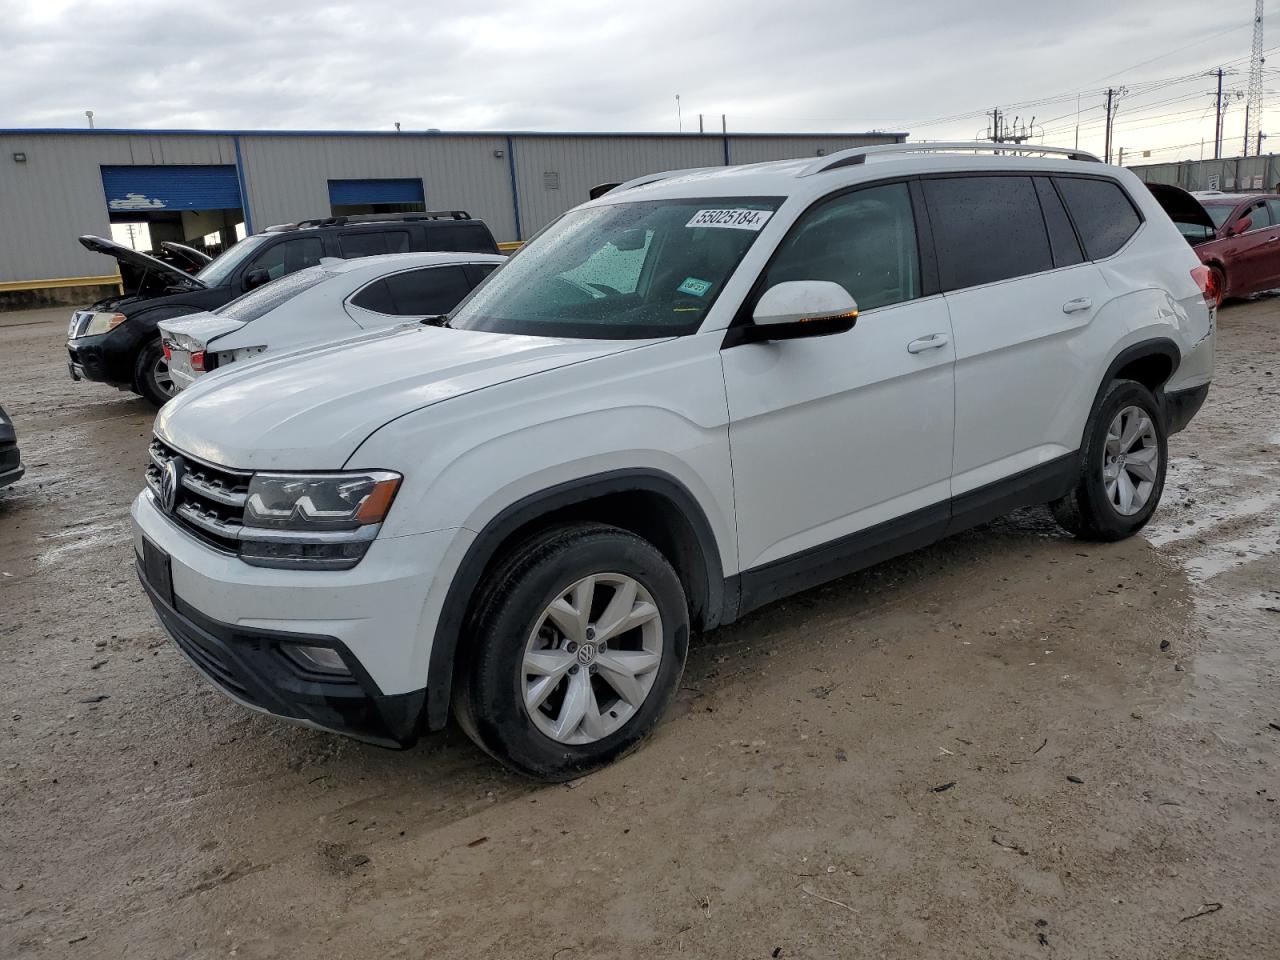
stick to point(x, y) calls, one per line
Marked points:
point(1131, 461)
point(592, 658)
point(161, 378)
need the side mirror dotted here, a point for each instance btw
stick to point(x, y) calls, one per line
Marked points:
point(801, 308)
point(630, 240)
point(1243, 225)
point(256, 278)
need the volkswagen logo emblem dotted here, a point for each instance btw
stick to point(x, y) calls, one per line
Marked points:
point(170, 483)
point(586, 653)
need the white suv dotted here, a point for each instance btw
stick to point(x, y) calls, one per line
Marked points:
point(680, 401)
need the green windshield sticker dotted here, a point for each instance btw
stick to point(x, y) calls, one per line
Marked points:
point(694, 287)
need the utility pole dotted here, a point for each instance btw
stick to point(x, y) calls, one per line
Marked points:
point(1245, 151)
point(1107, 151)
point(679, 115)
point(700, 123)
point(1217, 120)
point(724, 125)
point(1120, 159)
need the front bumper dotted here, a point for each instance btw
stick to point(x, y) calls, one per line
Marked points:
point(238, 614)
point(250, 667)
point(106, 358)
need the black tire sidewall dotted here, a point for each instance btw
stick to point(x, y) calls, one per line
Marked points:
point(497, 716)
point(142, 383)
point(1108, 521)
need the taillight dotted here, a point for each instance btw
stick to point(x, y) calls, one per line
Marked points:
point(168, 354)
point(1207, 281)
point(197, 361)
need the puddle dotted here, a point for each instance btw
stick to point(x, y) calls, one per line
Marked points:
point(1193, 519)
point(1221, 557)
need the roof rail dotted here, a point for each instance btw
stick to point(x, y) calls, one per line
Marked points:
point(371, 218)
point(654, 178)
point(856, 155)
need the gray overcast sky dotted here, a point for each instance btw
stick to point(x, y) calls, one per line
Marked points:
point(573, 65)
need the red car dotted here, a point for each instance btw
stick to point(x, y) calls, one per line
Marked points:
point(1236, 235)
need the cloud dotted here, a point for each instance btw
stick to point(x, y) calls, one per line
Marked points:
point(568, 64)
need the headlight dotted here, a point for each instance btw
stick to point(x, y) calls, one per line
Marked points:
point(319, 521)
point(103, 323)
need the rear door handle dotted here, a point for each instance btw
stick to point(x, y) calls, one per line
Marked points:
point(1272, 239)
point(931, 342)
point(1076, 305)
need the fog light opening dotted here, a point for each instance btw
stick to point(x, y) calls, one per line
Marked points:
point(316, 659)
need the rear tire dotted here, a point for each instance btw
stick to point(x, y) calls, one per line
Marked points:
point(576, 648)
point(1122, 466)
point(151, 377)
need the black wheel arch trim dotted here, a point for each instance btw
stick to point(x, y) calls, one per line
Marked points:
point(1156, 347)
point(718, 604)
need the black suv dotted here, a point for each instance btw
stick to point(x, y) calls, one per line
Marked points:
point(115, 340)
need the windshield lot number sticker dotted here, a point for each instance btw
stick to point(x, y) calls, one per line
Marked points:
point(694, 287)
point(735, 219)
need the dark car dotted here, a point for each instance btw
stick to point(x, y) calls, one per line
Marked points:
point(10, 459)
point(1236, 235)
point(115, 340)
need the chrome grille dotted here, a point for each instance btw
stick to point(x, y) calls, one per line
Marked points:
point(210, 500)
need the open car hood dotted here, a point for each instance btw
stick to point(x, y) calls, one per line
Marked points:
point(137, 268)
point(187, 258)
point(1181, 206)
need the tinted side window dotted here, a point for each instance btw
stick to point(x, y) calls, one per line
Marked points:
point(1062, 238)
point(478, 271)
point(865, 241)
point(289, 256)
point(1103, 214)
point(1273, 207)
point(986, 229)
point(375, 297)
point(1259, 215)
point(461, 237)
point(429, 292)
point(353, 245)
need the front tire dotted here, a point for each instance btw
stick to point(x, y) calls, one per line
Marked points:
point(151, 377)
point(577, 646)
point(1122, 466)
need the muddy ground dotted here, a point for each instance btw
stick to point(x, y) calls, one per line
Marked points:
point(1012, 744)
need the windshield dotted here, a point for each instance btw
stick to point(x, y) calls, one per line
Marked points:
point(266, 298)
point(620, 272)
point(221, 267)
point(1218, 212)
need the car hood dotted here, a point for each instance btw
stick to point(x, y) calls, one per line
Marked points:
point(135, 266)
point(311, 409)
point(195, 331)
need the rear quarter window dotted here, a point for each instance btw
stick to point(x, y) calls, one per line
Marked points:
point(1104, 216)
point(460, 238)
point(370, 244)
point(269, 296)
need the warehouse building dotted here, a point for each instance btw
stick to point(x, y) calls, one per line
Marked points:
point(206, 188)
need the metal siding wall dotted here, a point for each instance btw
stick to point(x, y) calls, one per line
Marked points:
point(583, 162)
point(762, 149)
point(57, 195)
point(1235, 174)
point(288, 177)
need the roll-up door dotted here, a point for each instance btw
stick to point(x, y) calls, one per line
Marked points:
point(171, 187)
point(349, 193)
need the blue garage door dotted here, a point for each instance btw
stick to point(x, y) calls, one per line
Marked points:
point(344, 193)
point(171, 187)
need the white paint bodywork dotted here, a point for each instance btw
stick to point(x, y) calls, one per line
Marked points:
point(784, 446)
point(320, 314)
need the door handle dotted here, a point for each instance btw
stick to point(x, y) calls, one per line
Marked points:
point(1076, 305)
point(931, 342)
point(1272, 239)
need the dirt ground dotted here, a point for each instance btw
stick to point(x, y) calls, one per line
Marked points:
point(1012, 744)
